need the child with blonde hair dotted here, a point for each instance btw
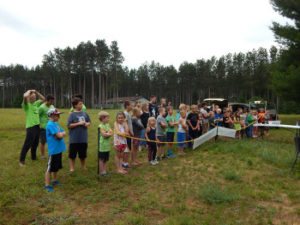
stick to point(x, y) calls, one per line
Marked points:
point(181, 132)
point(150, 135)
point(105, 134)
point(120, 143)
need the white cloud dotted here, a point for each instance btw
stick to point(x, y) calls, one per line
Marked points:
point(167, 31)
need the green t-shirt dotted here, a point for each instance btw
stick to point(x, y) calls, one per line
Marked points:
point(250, 118)
point(170, 119)
point(43, 113)
point(82, 109)
point(32, 113)
point(104, 142)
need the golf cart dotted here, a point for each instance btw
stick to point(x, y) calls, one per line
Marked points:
point(221, 102)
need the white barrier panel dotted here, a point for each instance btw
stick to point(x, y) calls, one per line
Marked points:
point(277, 122)
point(226, 132)
point(205, 137)
point(276, 125)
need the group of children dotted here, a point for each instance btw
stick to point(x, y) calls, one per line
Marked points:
point(134, 128)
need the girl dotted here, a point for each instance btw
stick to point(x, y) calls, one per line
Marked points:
point(237, 124)
point(150, 135)
point(137, 131)
point(181, 132)
point(255, 129)
point(120, 142)
point(144, 118)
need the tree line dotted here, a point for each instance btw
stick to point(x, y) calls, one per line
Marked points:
point(96, 71)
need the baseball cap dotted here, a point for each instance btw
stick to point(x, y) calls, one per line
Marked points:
point(53, 111)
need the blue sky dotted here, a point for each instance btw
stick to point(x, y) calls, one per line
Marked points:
point(167, 31)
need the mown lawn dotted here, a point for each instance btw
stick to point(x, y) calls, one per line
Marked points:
point(223, 182)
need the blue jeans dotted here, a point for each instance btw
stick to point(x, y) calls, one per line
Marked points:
point(249, 131)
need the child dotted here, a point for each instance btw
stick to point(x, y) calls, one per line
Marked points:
point(150, 135)
point(137, 130)
point(249, 121)
point(128, 108)
point(78, 122)
point(261, 119)
point(255, 129)
point(105, 134)
point(193, 123)
point(227, 121)
point(182, 128)
point(144, 118)
point(170, 131)
point(56, 146)
point(120, 142)
point(243, 117)
point(237, 124)
point(211, 120)
point(267, 119)
point(161, 125)
point(219, 117)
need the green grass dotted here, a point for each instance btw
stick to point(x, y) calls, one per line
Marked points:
point(223, 182)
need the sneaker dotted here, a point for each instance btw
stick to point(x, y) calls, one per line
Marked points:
point(49, 188)
point(158, 158)
point(126, 166)
point(155, 161)
point(152, 163)
point(105, 175)
point(56, 183)
point(170, 154)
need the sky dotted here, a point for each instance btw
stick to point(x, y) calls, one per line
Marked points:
point(166, 31)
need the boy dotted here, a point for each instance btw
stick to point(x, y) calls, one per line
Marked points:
point(128, 108)
point(193, 123)
point(43, 114)
point(30, 106)
point(78, 122)
point(161, 125)
point(170, 119)
point(56, 146)
point(105, 134)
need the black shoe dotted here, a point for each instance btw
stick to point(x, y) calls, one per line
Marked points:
point(164, 157)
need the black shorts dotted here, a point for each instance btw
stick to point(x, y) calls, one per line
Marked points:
point(162, 139)
point(54, 163)
point(170, 136)
point(43, 139)
point(80, 148)
point(104, 156)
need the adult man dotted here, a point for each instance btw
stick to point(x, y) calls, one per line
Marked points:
point(153, 109)
point(43, 114)
point(163, 104)
point(30, 106)
point(205, 116)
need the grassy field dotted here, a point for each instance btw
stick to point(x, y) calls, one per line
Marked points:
point(223, 182)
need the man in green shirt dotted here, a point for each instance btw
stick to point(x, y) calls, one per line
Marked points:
point(30, 106)
point(43, 114)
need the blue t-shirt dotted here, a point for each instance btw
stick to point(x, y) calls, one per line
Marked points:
point(55, 145)
point(219, 116)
